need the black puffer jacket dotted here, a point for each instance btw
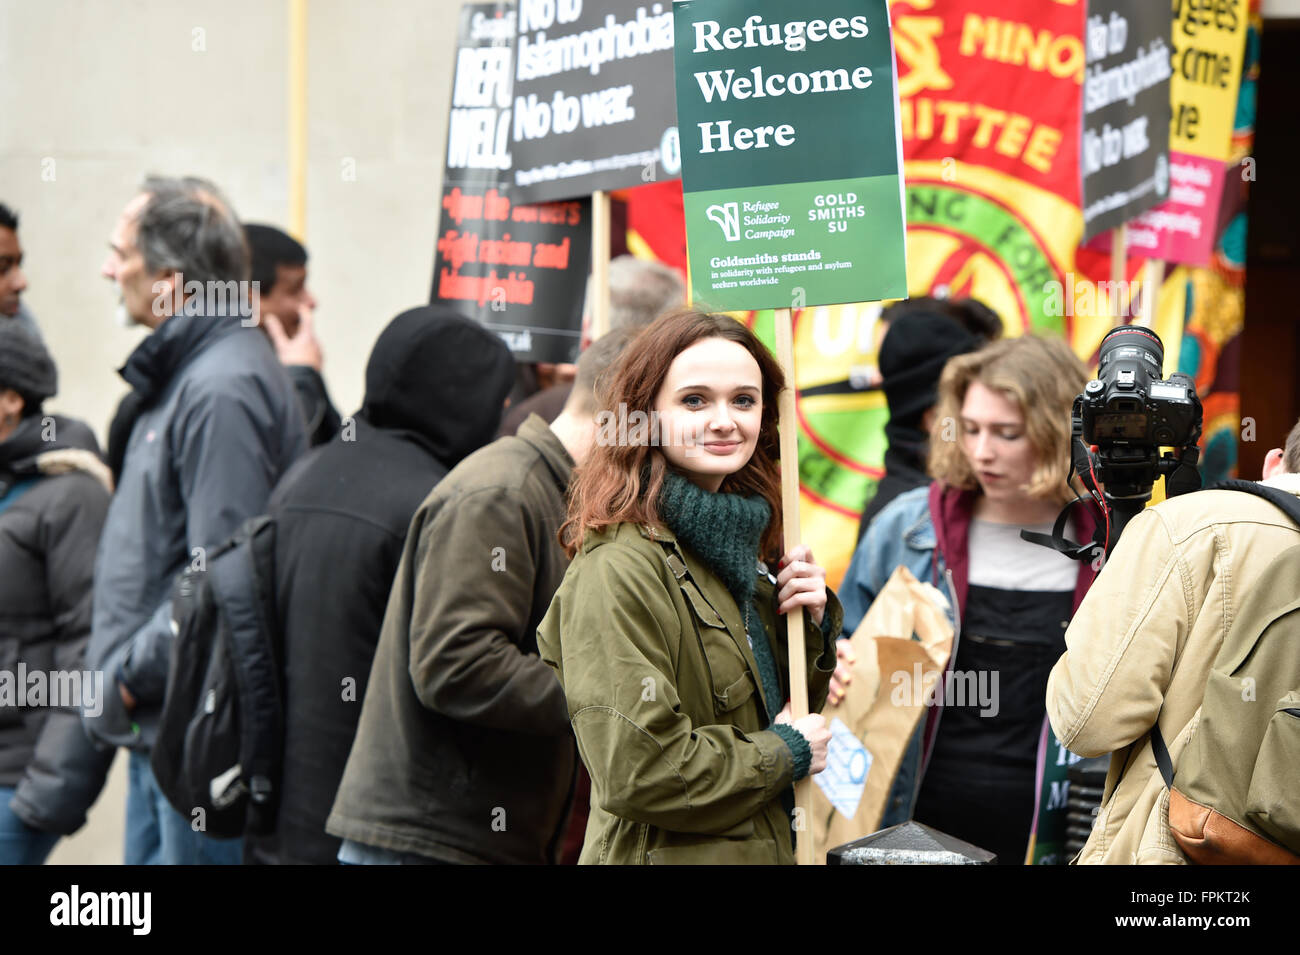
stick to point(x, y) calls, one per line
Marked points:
point(54, 494)
point(435, 385)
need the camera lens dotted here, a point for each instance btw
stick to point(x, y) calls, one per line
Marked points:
point(1131, 342)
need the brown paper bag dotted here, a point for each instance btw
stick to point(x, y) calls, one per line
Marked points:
point(892, 677)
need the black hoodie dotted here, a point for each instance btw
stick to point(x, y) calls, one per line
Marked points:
point(435, 388)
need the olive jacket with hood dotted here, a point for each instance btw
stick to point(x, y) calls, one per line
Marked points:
point(54, 494)
point(435, 384)
point(667, 702)
point(463, 753)
point(1141, 647)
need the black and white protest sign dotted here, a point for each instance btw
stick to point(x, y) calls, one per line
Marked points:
point(593, 97)
point(478, 131)
point(519, 269)
point(1125, 145)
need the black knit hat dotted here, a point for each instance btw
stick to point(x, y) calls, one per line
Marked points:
point(25, 365)
point(916, 347)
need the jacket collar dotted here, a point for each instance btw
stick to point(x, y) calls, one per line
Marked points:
point(714, 592)
point(174, 343)
point(538, 434)
point(37, 435)
point(1284, 482)
point(920, 535)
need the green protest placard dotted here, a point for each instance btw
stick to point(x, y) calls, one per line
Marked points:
point(791, 161)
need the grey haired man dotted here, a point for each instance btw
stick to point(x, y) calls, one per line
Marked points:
point(219, 424)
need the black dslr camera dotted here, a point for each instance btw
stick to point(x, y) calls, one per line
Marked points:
point(1128, 413)
point(1118, 426)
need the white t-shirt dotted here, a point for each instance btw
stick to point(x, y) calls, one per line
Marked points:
point(1000, 558)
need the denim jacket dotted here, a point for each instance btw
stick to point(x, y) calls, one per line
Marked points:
point(901, 535)
point(904, 533)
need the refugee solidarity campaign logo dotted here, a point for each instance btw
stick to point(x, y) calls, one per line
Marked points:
point(727, 217)
point(78, 908)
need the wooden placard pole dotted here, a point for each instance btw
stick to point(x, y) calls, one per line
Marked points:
point(1152, 275)
point(1118, 272)
point(599, 264)
point(297, 124)
point(805, 852)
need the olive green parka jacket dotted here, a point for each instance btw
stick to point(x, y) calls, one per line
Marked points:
point(667, 706)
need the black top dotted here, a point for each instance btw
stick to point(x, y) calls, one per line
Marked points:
point(979, 785)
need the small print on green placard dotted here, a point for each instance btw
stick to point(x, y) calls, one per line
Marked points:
point(768, 246)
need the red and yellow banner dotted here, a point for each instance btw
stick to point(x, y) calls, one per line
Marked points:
point(990, 109)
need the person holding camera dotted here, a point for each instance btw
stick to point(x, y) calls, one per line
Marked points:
point(978, 768)
point(1143, 642)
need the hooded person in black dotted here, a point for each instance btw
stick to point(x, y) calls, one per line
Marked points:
point(436, 384)
point(917, 346)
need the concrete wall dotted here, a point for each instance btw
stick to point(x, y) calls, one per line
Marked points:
point(95, 95)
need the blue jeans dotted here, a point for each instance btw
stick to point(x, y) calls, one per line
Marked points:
point(156, 834)
point(358, 853)
point(20, 844)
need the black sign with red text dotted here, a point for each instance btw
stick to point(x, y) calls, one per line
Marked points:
point(519, 269)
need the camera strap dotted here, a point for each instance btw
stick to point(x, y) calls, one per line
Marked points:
point(1058, 541)
point(1080, 464)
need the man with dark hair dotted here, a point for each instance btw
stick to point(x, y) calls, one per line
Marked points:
point(12, 280)
point(435, 387)
point(464, 752)
point(279, 267)
point(218, 424)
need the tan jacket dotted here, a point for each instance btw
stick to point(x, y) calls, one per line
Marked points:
point(1142, 644)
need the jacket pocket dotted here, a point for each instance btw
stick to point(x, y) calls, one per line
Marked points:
point(1271, 802)
point(715, 851)
point(728, 669)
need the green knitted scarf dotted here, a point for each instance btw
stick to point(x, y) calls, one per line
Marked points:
point(724, 530)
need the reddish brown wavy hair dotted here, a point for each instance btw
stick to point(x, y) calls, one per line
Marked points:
point(620, 483)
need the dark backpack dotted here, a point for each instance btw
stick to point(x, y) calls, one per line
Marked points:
point(220, 735)
point(1237, 797)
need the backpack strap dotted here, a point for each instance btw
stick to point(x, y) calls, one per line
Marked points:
point(233, 575)
point(1288, 503)
point(1161, 752)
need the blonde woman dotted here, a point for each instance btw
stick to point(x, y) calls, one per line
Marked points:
point(983, 758)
